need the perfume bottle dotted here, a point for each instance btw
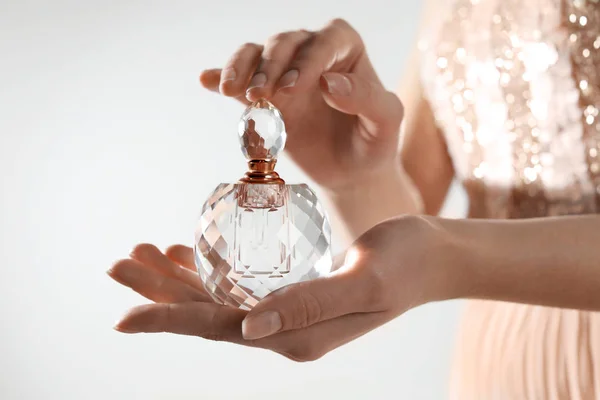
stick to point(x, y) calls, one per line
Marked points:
point(260, 234)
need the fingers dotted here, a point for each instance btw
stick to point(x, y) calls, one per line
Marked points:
point(153, 285)
point(182, 255)
point(207, 320)
point(211, 78)
point(351, 289)
point(277, 54)
point(378, 109)
point(338, 45)
point(215, 322)
point(289, 61)
point(151, 256)
point(238, 70)
point(313, 343)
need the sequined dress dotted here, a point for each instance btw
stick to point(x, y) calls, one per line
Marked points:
point(515, 88)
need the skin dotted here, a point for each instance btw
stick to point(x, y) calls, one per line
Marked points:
point(345, 132)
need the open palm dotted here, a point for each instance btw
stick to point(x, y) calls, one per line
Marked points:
point(182, 306)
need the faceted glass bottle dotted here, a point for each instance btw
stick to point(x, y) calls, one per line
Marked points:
point(259, 234)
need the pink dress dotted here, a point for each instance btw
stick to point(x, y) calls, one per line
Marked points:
point(515, 88)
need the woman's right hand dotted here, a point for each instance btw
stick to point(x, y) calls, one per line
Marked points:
point(342, 124)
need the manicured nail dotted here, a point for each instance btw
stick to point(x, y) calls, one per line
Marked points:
point(133, 252)
point(264, 324)
point(122, 330)
point(127, 275)
point(337, 84)
point(228, 74)
point(289, 79)
point(258, 81)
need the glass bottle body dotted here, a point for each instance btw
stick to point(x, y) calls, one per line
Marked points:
point(253, 239)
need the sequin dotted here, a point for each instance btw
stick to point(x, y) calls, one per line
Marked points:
point(588, 74)
point(537, 66)
point(442, 62)
point(583, 84)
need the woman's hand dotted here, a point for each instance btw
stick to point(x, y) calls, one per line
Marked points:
point(388, 270)
point(343, 125)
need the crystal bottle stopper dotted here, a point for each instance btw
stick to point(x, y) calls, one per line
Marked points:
point(262, 137)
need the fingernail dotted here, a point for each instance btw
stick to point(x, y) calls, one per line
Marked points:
point(122, 330)
point(133, 252)
point(264, 324)
point(228, 74)
point(127, 275)
point(258, 81)
point(289, 79)
point(337, 84)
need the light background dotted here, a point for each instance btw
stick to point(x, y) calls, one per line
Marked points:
point(106, 140)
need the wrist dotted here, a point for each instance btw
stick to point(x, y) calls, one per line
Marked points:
point(372, 198)
point(444, 260)
point(374, 185)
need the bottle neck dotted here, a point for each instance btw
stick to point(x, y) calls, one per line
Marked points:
point(262, 171)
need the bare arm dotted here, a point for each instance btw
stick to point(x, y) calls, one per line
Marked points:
point(424, 155)
point(548, 261)
point(395, 266)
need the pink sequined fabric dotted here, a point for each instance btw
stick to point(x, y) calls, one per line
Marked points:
point(515, 88)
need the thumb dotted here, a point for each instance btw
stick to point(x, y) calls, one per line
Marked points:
point(348, 290)
point(379, 110)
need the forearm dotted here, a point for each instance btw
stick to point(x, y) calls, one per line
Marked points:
point(549, 261)
point(358, 208)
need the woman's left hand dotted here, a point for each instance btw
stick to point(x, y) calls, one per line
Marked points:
point(396, 265)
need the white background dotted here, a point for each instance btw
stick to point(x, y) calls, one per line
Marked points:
point(106, 140)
